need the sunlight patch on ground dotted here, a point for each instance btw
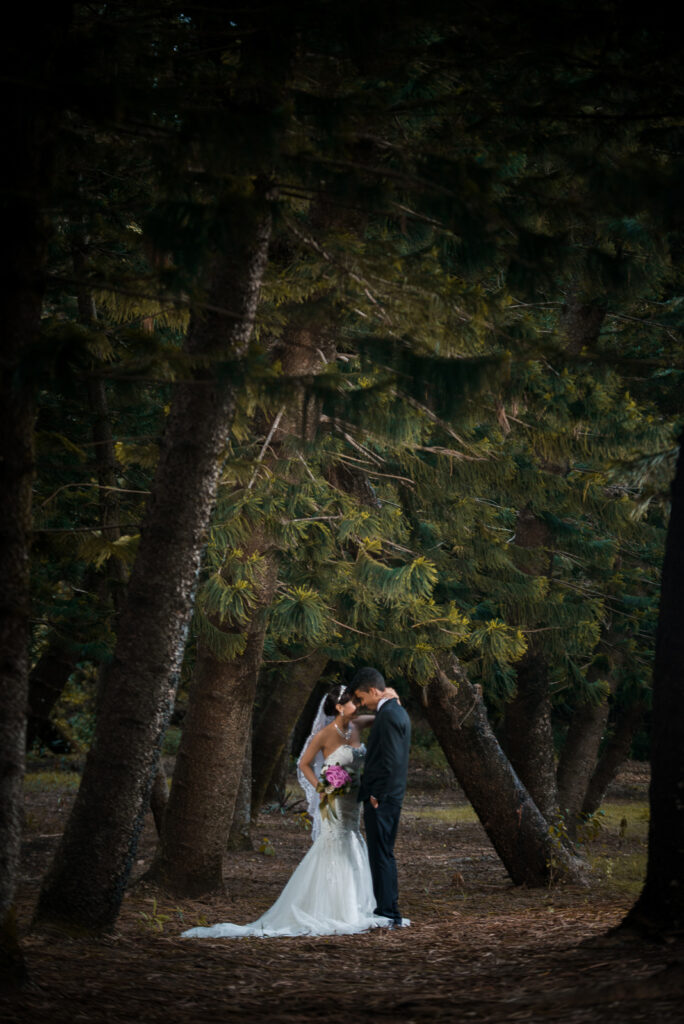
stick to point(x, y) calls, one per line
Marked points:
point(452, 815)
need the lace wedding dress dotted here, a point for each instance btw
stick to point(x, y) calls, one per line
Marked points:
point(330, 892)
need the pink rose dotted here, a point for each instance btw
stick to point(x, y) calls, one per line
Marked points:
point(336, 776)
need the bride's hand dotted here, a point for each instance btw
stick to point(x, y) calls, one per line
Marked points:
point(392, 694)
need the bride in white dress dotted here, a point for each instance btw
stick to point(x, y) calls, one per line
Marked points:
point(330, 892)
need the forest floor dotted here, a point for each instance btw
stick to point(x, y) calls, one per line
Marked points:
point(479, 949)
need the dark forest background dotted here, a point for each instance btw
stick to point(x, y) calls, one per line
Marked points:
point(339, 334)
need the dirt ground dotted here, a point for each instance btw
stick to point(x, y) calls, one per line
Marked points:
point(478, 949)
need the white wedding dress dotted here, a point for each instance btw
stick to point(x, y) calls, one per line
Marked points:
point(330, 892)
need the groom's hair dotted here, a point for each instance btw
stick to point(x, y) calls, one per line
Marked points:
point(367, 679)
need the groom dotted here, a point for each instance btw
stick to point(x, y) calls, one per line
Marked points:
point(383, 785)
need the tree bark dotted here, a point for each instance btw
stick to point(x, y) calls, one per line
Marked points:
point(277, 786)
point(279, 718)
point(240, 837)
point(516, 828)
point(581, 324)
point(578, 759)
point(579, 755)
point(660, 907)
point(86, 882)
point(528, 734)
point(613, 757)
point(210, 761)
point(209, 766)
point(47, 680)
point(159, 797)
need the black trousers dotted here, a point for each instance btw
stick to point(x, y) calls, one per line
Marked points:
point(381, 832)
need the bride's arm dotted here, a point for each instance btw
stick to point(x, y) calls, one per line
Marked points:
point(363, 721)
point(307, 757)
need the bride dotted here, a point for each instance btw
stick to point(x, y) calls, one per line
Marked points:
point(330, 892)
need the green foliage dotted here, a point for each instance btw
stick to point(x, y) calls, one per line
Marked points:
point(74, 712)
point(443, 190)
point(156, 919)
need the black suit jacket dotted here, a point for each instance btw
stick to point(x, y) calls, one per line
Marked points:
point(384, 776)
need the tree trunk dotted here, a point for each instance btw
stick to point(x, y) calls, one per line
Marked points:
point(277, 786)
point(613, 757)
point(159, 797)
point(660, 907)
point(209, 766)
point(210, 761)
point(528, 735)
point(516, 828)
point(240, 837)
point(581, 324)
point(29, 51)
point(47, 680)
point(86, 882)
point(579, 756)
point(578, 759)
point(279, 718)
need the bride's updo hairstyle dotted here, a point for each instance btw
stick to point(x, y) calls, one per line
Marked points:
point(338, 695)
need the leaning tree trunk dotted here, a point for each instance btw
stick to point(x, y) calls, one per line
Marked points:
point(209, 764)
point(279, 719)
point(660, 907)
point(613, 757)
point(86, 882)
point(516, 828)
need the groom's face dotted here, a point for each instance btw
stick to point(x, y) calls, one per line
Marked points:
point(369, 698)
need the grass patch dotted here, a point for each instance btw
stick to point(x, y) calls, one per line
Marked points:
point(627, 819)
point(51, 782)
point(625, 872)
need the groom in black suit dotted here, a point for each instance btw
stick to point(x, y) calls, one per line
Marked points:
point(383, 785)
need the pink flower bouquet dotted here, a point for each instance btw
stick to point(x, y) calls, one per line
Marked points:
point(334, 780)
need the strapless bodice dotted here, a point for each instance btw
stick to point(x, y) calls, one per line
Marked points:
point(346, 808)
point(346, 756)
